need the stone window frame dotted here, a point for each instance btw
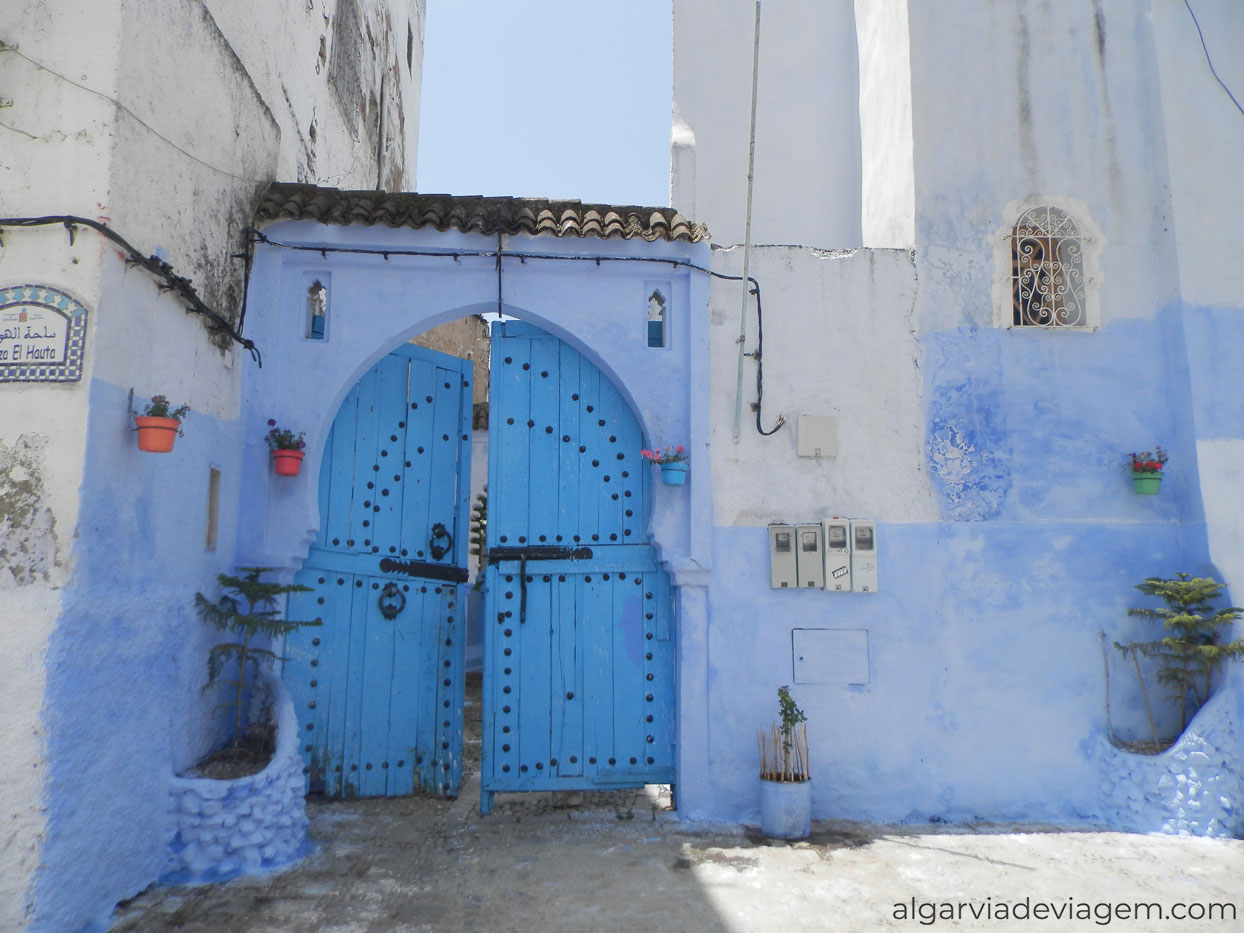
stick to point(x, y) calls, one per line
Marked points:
point(1081, 243)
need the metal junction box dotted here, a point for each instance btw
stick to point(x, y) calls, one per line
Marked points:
point(838, 555)
point(830, 656)
point(783, 572)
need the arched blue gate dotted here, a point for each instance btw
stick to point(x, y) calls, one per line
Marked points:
point(378, 687)
point(578, 620)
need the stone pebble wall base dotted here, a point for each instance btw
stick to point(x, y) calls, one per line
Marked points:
point(222, 829)
point(1194, 788)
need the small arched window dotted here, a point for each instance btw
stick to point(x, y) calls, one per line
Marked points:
point(1047, 270)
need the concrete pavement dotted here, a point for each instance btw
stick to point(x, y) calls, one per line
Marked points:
point(622, 861)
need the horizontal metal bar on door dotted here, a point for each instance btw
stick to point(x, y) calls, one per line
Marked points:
point(608, 558)
point(539, 552)
point(376, 565)
point(424, 569)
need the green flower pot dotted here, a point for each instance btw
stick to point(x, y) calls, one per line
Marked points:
point(1146, 484)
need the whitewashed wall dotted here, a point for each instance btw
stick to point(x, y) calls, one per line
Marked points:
point(164, 121)
point(887, 171)
point(807, 124)
point(993, 457)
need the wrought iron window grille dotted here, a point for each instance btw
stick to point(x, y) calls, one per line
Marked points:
point(1047, 270)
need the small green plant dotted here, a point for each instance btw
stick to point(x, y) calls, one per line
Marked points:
point(161, 407)
point(1148, 461)
point(283, 438)
point(784, 747)
point(664, 455)
point(247, 609)
point(1190, 652)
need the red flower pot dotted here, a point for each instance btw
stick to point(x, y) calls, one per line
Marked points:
point(287, 462)
point(156, 435)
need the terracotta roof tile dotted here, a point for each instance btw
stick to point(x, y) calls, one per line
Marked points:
point(489, 216)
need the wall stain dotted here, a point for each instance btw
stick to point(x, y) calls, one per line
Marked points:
point(968, 451)
point(1027, 137)
point(28, 546)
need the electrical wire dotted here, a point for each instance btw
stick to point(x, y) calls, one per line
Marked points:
point(498, 254)
point(124, 109)
point(153, 264)
point(1209, 60)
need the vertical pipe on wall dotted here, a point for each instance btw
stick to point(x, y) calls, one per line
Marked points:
point(747, 231)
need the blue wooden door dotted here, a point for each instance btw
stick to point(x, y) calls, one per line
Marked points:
point(378, 687)
point(578, 620)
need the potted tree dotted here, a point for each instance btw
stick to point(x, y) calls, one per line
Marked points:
point(159, 425)
point(785, 778)
point(1190, 650)
point(242, 807)
point(287, 449)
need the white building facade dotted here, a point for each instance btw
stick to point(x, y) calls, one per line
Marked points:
point(903, 150)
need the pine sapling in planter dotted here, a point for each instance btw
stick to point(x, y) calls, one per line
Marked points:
point(785, 781)
point(248, 609)
point(1190, 652)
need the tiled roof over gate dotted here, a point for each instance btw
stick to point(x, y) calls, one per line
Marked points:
point(535, 216)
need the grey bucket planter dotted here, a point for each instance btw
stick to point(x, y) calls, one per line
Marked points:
point(786, 809)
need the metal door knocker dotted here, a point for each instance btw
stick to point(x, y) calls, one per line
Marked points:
point(440, 550)
point(392, 601)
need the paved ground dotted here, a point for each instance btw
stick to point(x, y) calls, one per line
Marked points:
point(623, 862)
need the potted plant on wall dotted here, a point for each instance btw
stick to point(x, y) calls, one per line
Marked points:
point(1147, 470)
point(159, 425)
point(242, 808)
point(287, 449)
point(1190, 649)
point(672, 461)
point(785, 778)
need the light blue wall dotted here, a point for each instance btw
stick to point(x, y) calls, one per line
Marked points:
point(1215, 339)
point(987, 690)
point(376, 303)
point(126, 663)
point(1036, 426)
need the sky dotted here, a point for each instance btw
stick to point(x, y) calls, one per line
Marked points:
point(547, 98)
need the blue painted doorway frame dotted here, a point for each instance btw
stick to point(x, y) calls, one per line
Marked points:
point(379, 687)
point(579, 615)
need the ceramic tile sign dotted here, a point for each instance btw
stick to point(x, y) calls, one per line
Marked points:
point(42, 335)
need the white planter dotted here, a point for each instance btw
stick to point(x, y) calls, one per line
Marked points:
point(222, 829)
point(786, 809)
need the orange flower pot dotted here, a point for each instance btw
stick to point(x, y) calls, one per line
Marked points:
point(156, 435)
point(287, 462)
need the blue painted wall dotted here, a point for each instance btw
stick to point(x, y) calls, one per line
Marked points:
point(987, 693)
point(127, 661)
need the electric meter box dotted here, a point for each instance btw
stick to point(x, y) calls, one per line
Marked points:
point(838, 555)
point(810, 560)
point(783, 570)
point(863, 556)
